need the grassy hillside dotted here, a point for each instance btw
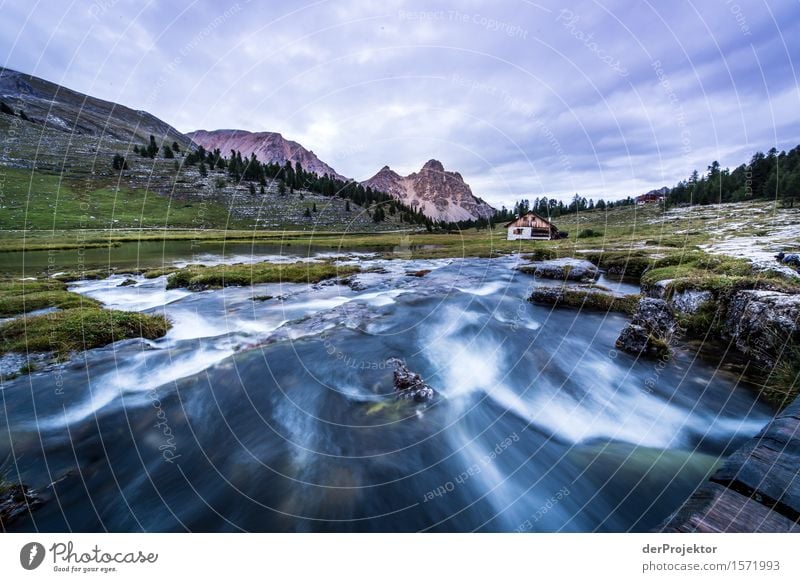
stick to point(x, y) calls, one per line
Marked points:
point(55, 180)
point(43, 201)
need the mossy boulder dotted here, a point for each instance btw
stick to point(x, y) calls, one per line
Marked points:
point(651, 329)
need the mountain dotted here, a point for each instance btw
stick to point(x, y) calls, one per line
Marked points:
point(268, 146)
point(440, 194)
point(52, 106)
point(60, 170)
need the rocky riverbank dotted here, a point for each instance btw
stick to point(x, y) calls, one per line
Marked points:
point(702, 297)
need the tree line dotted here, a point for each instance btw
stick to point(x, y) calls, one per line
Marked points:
point(287, 179)
point(771, 176)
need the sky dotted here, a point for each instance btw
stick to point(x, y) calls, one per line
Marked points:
point(606, 99)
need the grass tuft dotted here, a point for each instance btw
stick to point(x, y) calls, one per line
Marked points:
point(73, 330)
point(198, 278)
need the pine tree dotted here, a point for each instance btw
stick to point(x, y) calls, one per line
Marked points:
point(203, 170)
point(119, 162)
point(176, 148)
point(347, 206)
point(314, 207)
point(167, 152)
point(252, 188)
point(307, 214)
point(152, 149)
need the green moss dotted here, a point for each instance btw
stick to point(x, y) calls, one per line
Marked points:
point(84, 275)
point(72, 330)
point(590, 299)
point(621, 263)
point(198, 277)
point(719, 274)
point(154, 273)
point(565, 271)
point(706, 321)
point(543, 253)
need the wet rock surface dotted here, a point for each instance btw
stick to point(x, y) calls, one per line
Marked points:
point(651, 328)
point(564, 269)
point(690, 300)
point(791, 259)
point(409, 385)
point(15, 501)
point(547, 295)
point(687, 301)
point(762, 322)
point(354, 283)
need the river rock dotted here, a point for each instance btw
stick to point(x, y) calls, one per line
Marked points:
point(791, 259)
point(689, 301)
point(651, 328)
point(353, 282)
point(761, 322)
point(547, 295)
point(15, 501)
point(409, 385)
point(633, 338)
point(658, 290)
point(565, 270)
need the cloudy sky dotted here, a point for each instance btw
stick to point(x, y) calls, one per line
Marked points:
point(524, 99)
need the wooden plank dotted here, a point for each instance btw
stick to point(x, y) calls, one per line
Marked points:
point(718, 509)
point(768, 470)
point(756, 489)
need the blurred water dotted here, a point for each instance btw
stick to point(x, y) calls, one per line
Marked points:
point(278, 415)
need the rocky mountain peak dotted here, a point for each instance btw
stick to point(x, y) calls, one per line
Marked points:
point(433, 166)
point(268, 147)
point(439, 194)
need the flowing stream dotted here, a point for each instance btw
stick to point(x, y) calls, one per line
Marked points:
point(278, 415)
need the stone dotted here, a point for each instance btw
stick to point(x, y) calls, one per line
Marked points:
point(633, 338)
point(791, 259)
point(16, 500)
point(658, 290)
point(353, 282)
point(651, 328)
point(564, 270)
point(409, 385)
point(547, 295)
point(762, 322)
point(689, 301)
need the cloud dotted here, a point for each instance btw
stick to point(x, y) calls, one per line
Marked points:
point(524, 99)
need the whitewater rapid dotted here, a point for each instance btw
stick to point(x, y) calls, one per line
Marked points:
point(282, 416)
